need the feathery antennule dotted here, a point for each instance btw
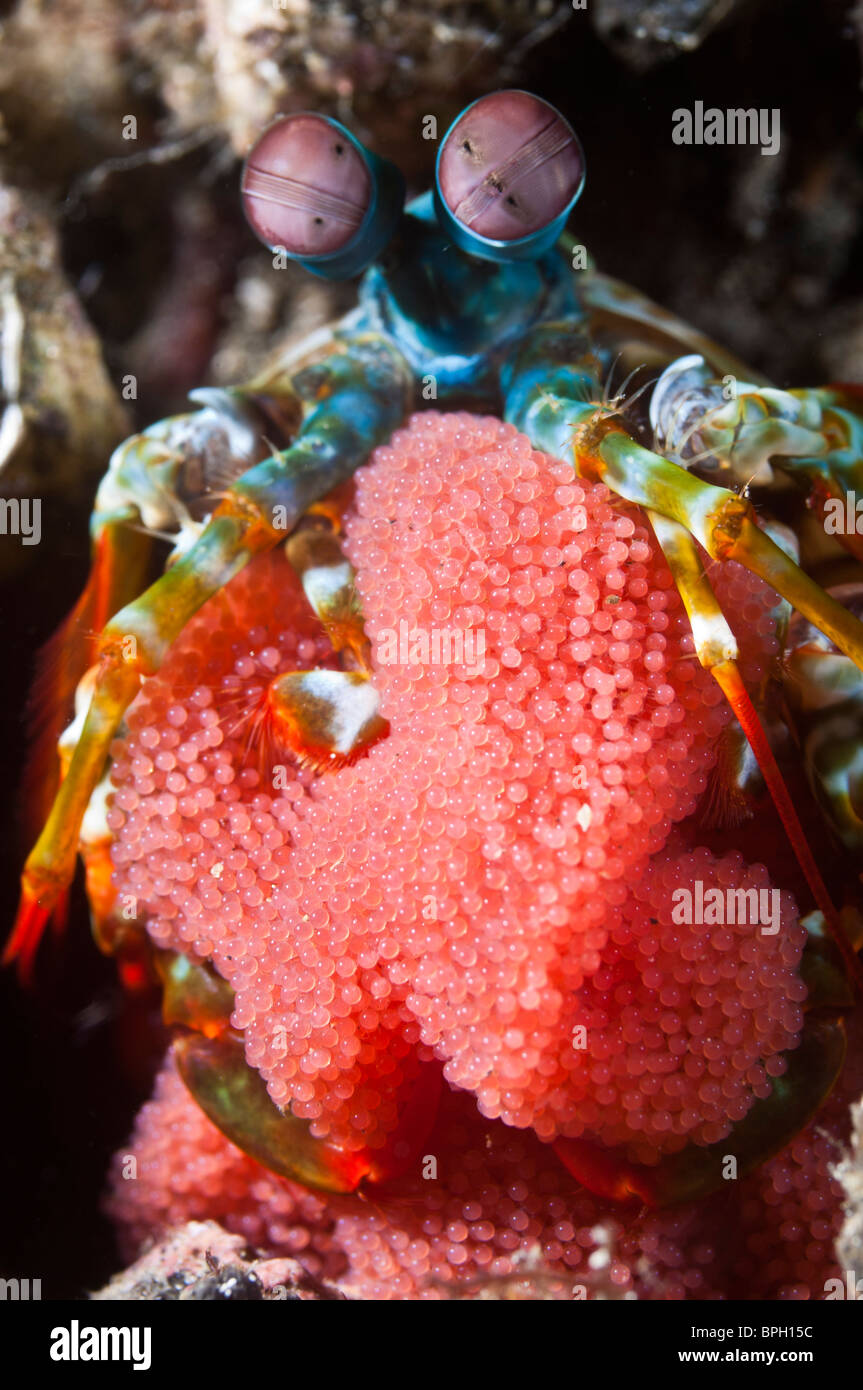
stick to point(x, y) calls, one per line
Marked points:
point(608, 406)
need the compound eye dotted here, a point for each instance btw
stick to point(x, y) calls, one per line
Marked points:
point(305, 186)
point(310, 188)
point(509, 170)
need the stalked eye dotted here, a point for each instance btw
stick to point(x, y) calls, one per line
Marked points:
point(305, 188)
point(310, 188)
point(509, 170)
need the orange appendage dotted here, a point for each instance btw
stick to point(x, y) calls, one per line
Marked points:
point(325, 718)
point(101, 893)
point(30, 923)
point(59, 667)
point(321, 719)
point(731, 682)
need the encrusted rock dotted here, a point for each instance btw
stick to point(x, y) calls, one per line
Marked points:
point(61, 414)
point(202, 1262)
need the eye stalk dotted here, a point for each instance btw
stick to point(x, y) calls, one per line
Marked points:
point(310, 188)
point(509, 171)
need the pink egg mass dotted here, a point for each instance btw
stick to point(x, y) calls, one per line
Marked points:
point(488, 891)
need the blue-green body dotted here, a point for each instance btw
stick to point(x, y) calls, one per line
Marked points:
point(453, 316)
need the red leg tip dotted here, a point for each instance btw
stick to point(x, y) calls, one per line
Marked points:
point(30, 924)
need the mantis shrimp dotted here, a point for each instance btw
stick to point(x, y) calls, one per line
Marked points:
point(474, 296)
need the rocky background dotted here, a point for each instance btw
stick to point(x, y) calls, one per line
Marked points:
point(129, 256)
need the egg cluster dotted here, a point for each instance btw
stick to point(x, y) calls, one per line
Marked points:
point(751, 607)
point(484, 885)
point(497, 1208)
point(178, 1167)
point(686, 1021)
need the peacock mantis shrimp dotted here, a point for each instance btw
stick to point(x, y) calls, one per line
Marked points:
point(476, 297)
